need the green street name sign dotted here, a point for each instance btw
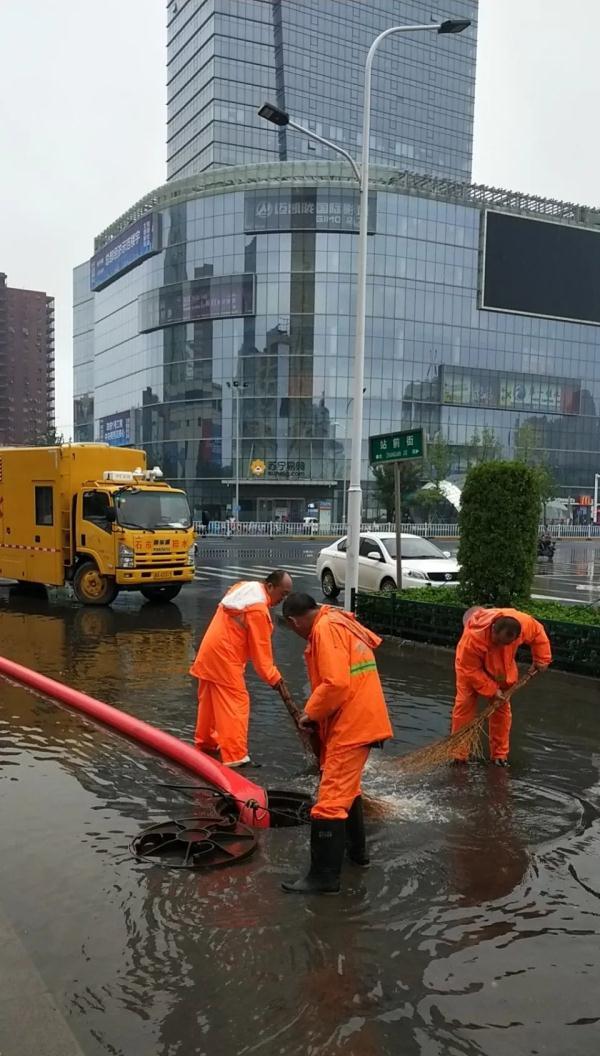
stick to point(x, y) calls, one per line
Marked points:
point(396, 447)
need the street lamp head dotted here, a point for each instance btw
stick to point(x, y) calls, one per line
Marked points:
point(274, 114)
point(454, 25)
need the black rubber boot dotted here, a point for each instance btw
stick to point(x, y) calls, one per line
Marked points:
point(327, 840)
point(356, 843)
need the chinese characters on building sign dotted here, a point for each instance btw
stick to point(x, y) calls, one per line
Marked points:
point(115, 429)
point(286, 469)
point(137, 242)
point(214, 297)
point(307, 209)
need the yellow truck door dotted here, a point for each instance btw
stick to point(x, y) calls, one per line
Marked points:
point(44, 550)
point(95, 530)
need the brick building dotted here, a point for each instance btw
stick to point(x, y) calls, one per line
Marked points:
point(26, 366)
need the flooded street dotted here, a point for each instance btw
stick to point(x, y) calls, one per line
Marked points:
point(475, 931)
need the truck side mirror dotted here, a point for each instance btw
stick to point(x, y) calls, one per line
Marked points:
point(111, 515)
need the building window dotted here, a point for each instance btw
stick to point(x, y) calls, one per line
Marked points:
point(44, 513)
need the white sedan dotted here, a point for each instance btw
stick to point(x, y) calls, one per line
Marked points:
point(423, 565)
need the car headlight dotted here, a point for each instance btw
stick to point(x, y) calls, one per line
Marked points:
point(126, 556)
point(191, 559)
point(414, 573)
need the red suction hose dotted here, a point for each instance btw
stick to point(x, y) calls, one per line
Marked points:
point(252, 798)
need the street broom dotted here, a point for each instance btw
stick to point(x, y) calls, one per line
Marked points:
point(311, 742)
point(468, 741)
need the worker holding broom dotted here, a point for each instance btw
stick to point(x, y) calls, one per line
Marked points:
point(348, 706)
point(485, 666)
point(239, 631)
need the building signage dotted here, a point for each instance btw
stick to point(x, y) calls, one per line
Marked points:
point(137, 242)
point(510, 392)
point(115, 429)
point(306, 209)
point(213, 297)
point(286, 469)
point(396, 447)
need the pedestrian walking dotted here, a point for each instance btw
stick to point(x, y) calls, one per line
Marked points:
point(348, 706)
point(485, 666)
point(239, 631)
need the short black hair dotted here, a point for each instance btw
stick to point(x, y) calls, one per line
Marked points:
point(298, 605)
point(508, 623)
point(274, 578)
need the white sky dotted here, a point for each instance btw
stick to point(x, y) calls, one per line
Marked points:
point(82, 123)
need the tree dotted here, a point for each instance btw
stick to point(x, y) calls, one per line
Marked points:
point(439, 459)
point(484, 447)
point(411, 476)
point(499, 520)
point(529, 451)
point(430, 502)
point(49, 439)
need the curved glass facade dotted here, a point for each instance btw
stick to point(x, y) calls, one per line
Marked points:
point(251, 298)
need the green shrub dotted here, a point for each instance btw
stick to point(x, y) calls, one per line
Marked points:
point(558, 611)
point(499, 518)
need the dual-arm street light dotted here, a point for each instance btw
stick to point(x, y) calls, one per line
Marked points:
point(279, 117)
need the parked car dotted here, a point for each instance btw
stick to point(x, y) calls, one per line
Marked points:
point(423, 564)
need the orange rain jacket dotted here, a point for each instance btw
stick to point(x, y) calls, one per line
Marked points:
point(347, 699)
point(484, 665)
point(239, 631)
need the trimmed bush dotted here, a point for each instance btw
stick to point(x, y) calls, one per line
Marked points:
point(499, 518)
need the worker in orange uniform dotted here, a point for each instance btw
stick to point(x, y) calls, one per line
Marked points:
point(239, 631)
point(347, 704)
point(485, 666)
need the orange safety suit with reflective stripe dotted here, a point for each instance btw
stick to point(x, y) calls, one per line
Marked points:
point(348, 704)
point(483, 667)
point(239, 631)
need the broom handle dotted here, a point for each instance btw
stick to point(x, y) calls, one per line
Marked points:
point(311, 741)
point(513, 689)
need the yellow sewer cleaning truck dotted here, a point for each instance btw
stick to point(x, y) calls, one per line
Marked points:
point(93, 516)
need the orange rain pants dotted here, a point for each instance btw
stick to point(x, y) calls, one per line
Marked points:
point(465, 710)
point(227, 710)
point(341, 773)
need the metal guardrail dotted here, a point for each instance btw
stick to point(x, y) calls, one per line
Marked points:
point(273, 529)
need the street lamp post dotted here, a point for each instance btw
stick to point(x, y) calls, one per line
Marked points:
point(236, 385)
point(279, 117)
point(596, 483)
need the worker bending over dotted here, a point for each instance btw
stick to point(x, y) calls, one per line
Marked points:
point(347, 704)
point(485, 666)
point(239, 631)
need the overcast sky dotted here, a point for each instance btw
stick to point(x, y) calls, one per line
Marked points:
point(82, 123)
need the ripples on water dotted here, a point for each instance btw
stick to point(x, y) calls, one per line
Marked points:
point(474, 932)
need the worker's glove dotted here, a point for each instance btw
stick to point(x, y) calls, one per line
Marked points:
point(533, 670)
point(499, 695)
point(306, 723)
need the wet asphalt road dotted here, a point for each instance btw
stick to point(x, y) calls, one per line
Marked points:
point(475, 932)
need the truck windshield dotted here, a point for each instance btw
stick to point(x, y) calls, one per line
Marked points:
point(152, 509)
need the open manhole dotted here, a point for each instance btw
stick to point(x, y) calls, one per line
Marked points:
point(288, 808)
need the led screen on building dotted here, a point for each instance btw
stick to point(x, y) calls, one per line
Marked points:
point(213, 297)
point(536, 267)
point(137, 242)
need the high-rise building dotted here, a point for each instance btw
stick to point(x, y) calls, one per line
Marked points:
point(307, 56)
point(26, 366)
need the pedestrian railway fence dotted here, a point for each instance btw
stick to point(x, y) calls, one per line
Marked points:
point(273, 529)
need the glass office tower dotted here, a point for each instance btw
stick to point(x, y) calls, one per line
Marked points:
point(240, 283)
point(225, 57)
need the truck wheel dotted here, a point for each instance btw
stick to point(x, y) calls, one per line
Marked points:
point(160, 595)
point(91, 587)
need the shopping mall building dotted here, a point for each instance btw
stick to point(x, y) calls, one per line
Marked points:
point(220, 307)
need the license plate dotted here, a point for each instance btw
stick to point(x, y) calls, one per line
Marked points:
point(165, 574)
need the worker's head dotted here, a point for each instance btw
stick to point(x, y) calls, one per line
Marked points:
point(299, 611)
point(278, 585)
point(505, 630)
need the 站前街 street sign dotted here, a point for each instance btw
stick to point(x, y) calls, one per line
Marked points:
point(396, 447)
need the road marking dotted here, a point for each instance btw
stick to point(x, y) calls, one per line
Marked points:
point(588, 586)
point(555, 597)
point(216, 575)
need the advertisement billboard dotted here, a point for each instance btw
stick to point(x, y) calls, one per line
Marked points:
point(115, 429)
point(539, 267)
point(306, 209)
point(212, 297)
point(510, 391)
point(137, 242)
